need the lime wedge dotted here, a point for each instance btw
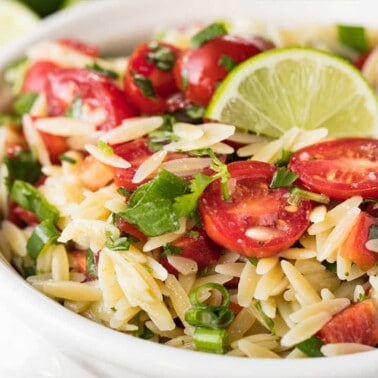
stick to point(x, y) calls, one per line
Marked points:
point(296, 87)
point(15, 20)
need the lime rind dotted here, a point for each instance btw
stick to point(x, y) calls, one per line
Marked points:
point(296, 87)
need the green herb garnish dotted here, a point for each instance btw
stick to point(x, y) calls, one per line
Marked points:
point(354, 37)
point(283, 160)
point(144, 84)
point(67, 159)
point(105, 148)
point(195, 111)
point(296, 194)
point(161, 56)
point(212, 31)
point(311, 347)
point(90, 264)
point(227, 63)
point(373, 232)
point(282, 177)
point(96, 67)
point(171, 250)
point(24, 103)
point(267, 320)
point(75, 110)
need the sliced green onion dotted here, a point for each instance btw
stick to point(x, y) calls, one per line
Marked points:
point(90, 264)
point(354, 37)
point(282, 177)
point(195, 294)
point(171, 250)
point(311, 347)
point(373, 232)
point(253, 260)
point(67, 159)
point(267, 320)
point(24, 103)
point(29, 198)
point(297, 194)
point(210, 340)
point(121, 244)
point(209, 318)
point(210, 32)
point(42, 236)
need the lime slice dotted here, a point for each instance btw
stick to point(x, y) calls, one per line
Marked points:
point(15, 20)
point(296, 87)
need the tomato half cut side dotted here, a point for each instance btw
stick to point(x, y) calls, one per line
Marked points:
point(339, 168)
point(257, 221)
point(354, 248)
point(95, 90)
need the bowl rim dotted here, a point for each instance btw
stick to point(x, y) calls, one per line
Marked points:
point(87, 337)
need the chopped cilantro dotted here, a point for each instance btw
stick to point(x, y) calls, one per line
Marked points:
point(161, 56)
point(144, 84)
point(67, 159)
point(184, 79)
point(22, 166)
point(195, 111)
point(267, 320)
point(361, 297)
point(354, 37)
point(171, 250)
point(121, 244)
point(332, 267)
point(311, 347)
point(24, 103)
point(212, 31)
point(75, 110)
point(96, 67)
point(253, 260)
point(227, 63)
point(296, 194)
point(90, 264)
point(124, 192)
point(144, 333)
point(163, 135)
point(282, 177)
point(283, 160)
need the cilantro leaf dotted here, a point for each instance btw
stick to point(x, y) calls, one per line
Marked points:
point(227, 63)
point(90, 264)
point(210, 32)
point(144, 84)
point(161, 56)
point(186, 204)
point(24, 103)
point(171, 250)
point(282, 177)
point(96, 67)
point(283, 160)
point(311, 347)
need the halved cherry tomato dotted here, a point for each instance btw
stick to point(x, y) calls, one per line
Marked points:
point(354, 248)
point(339, 168)
point(257, 221)
point(135, 152)
point(149, 77)
point(128, 228)
point(93, 174)
point(19, 216)
point(36, 76)
point(197, 246)
point(77, 260)
point(358, 323)
point(80, 46)
point(56, 145)
point(97, 91)
point(199, 70)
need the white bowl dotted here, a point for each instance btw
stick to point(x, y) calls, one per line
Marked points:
point(116, 26)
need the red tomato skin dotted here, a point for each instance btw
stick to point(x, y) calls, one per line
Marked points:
point(358, 323)
point(36, 76)
point(56, 145)
point(135, 152)
point(95, 89)
point(339, 168)
point(252, 203)
point(199, 248)
point(198, 72)
point(163, 82)
point(21, 217)
point(80, 46)
point(354, 248)
point(128, 228)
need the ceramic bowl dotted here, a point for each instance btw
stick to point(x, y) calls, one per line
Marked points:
point(115, 26)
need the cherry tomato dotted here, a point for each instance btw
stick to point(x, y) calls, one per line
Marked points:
point(128, 228)
point(80, 46)
point(95, 90)
point(257, 221)
point(36, 76)
point(354, 248)
point(149, 79)
point(197, 246)
point(339, 168)
point(198, 71)
point(94, 174)
point(135, 152)
point(357, 323)
point(56, 145)
point(21, 217)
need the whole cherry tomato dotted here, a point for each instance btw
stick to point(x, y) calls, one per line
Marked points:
point(149, 79)
point(199, 70)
